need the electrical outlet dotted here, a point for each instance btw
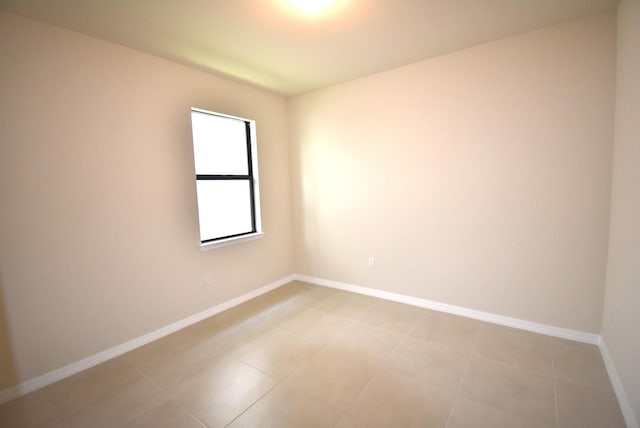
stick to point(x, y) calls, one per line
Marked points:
point(208, 278)
point(372, 262)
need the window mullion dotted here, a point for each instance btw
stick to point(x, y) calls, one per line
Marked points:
point(222, 177)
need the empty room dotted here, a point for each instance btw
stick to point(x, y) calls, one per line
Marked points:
point(328, 213)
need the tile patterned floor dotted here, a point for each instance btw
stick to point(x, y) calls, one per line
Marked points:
point(308, 356)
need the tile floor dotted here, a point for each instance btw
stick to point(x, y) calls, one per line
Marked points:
point(308, 356)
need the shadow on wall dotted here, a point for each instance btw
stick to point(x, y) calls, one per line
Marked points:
point(8, 374)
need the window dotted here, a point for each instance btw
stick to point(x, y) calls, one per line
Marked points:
point(226, 167)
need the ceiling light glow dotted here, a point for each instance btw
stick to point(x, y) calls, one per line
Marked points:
point(311, 7)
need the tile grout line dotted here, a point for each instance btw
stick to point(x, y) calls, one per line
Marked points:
point(167, 396)
point(240, 360)
point(255, 402)
point(153, 382)
point(277, 384)
point(346, 412)
point(464, 375)
point(352, 321)
point(278, 381)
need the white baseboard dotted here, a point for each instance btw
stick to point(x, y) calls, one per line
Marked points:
point(93, 360)
point(549, 330)
point(623, 400)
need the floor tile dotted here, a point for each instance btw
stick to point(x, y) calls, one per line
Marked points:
point(112, 406)
point(435, 364)
point(167, 414)
point(334, 375)
point(279, 353)
point(586, 407)
point(520, 348)
point(253, 317)
point(368, 342)
point(314, 326)
point(579, 363)
point(26, 420)
point(347, 305)
point(392, 316)
point(521, 392)
point(394, 400)
point(455, 332)
point(285, 407)
point(470, 414)
point(88, 382)
point(29, 411)
point(223, 321)
point(33, 403)
point(350, 422)
point(243, 320)
point(182, 368)
point(220, 395)
point(277, 315)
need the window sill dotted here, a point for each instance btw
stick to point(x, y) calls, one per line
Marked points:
point(231, 241)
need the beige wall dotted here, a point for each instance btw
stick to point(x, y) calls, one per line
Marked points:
point(8, 376)
point(479, 179)
point(621, 317)
point(99, 227)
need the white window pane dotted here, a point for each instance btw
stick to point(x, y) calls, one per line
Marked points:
point(219, 144)
point(224, 208)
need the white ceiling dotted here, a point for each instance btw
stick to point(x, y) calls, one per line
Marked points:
point(271, 45)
